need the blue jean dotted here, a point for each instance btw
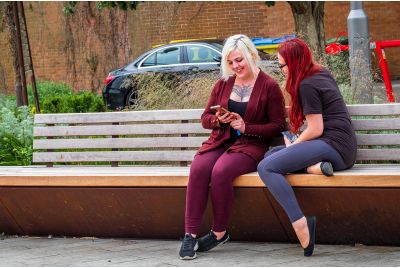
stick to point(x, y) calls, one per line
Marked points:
point(282, 160)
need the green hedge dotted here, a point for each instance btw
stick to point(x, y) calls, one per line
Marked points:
point(84, 102)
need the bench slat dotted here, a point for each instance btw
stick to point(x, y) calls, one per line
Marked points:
point(44, 157)
point(136, 116)
point(364, 124)
point(111, 117)
point(374, 109)
point(138, 129)
point(376, 124)
point(378, 139)
point(156, 142)
point(378, 154)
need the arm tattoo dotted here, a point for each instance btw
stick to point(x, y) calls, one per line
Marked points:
point(242, 91)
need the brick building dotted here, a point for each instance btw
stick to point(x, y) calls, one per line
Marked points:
point(81, 48)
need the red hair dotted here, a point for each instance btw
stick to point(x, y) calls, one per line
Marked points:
point(300, 64)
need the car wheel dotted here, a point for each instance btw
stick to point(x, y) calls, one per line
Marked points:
point(131, 99)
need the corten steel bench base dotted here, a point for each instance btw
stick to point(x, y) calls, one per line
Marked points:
point(356, 206)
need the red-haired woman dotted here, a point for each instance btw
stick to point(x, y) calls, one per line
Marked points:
point(328, 142)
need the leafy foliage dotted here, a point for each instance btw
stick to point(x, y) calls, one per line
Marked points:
point(16, 127)
point(60, 98)
point(82, 102)
point(269, 3)
point(47, 89)
point(124, 5)
point(340, 67)
point(69, 7)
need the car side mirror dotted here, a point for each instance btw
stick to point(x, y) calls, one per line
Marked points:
point(217, 59)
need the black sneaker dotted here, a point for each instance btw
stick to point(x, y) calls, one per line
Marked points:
point(209, 241)
point(188, 248)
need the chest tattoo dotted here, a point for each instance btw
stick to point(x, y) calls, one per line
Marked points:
point(242, 91)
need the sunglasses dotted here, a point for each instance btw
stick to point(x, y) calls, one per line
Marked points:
point(281, 65)
point(240, 39)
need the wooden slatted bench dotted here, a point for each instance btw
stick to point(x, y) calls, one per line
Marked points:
point(123, 174)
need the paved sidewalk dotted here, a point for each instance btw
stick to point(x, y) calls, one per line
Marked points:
point(30, 251)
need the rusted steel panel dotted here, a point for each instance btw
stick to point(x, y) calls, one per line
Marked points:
point(7, 224)
point(132, 212)
point(100, 212)
point(348, 216)
point(344, 215)
point(253, 217)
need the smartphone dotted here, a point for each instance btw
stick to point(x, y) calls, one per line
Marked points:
point(219, 108)
point(289, 135)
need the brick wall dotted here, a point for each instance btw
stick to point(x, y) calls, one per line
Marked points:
point(159, 22)
point(65, 49)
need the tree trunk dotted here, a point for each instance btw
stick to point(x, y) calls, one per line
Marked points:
point(12, 36)
point(309, 25)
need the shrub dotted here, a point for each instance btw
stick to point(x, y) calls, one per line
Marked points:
point(16, 127)
point(85, 102)
point(339, 65)
point(177, 90)
point(47, 89)
point(172, 90)
point(7, 101)
point(82, 102)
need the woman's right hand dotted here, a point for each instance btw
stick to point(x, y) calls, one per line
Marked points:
point(287, 141)
point(226, 118)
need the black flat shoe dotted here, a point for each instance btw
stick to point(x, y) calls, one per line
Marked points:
point(311, 223)
point(326, 168)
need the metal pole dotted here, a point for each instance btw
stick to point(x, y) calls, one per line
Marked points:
point(33, 79)
point(360, 57)
point(20, 55)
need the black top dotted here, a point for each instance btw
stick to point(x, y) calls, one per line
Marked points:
point(239, 108)
point(319, 94)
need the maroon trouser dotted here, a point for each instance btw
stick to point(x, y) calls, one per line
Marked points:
point(218, 169)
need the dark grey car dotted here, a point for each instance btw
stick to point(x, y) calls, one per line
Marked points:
point(187, 56)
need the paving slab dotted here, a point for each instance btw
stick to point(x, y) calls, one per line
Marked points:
point(90, 252)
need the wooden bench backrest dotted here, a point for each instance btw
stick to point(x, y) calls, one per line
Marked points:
point(171, 136)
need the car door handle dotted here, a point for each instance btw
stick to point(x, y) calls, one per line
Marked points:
point(193, 68)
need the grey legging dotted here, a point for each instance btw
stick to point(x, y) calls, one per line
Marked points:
point(282, 160)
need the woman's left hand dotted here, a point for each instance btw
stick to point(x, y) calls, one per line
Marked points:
point(238, 123)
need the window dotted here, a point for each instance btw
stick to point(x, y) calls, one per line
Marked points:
point(167, 56)
point(197, 54)
point(150, 61)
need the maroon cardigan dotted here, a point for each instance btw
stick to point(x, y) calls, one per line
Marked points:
point(264, 117)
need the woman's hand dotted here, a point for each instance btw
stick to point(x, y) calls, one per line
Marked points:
point(226, 118)
point(287, 141)
point(238, 123)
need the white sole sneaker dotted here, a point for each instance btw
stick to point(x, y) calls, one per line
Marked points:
point(188, 257)
point(194, 256)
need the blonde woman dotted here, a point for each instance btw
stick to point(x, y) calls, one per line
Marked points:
point(238, 141)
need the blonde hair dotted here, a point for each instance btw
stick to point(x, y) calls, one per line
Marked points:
point(243, 44)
